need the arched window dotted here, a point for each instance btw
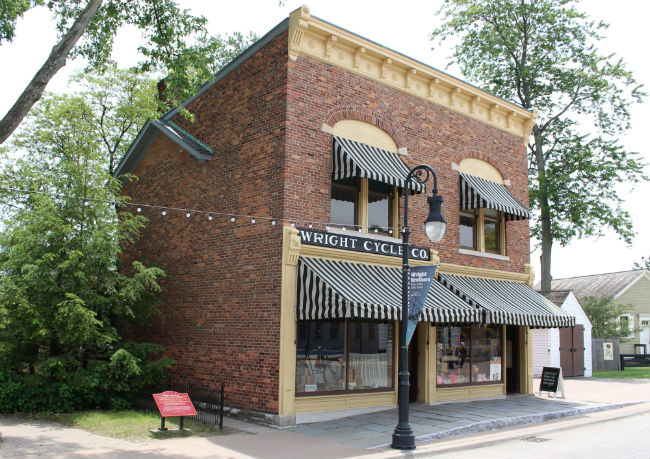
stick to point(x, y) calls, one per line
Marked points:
point(482, 229)
point(358, 202)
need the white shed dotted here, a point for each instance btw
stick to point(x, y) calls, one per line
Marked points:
point(569, 348)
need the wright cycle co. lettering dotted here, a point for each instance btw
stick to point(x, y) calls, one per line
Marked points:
point(360, 244)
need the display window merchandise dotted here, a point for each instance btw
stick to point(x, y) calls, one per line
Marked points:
point(338, 356)
point(469, 355)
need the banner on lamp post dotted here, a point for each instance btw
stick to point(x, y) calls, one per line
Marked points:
point(419, 284)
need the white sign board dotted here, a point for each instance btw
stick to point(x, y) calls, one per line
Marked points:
point(608, 351)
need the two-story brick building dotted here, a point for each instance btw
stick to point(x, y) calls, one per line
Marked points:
point(283, 275)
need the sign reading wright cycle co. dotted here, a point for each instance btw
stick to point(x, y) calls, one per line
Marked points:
point(360, 244)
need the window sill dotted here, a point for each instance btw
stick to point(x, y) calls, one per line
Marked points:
point(483, 254)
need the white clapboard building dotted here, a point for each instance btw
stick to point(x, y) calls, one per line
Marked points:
point(568, 348)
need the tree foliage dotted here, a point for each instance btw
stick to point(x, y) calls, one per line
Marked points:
point(644, 263)
point(542, 54)
point(604, 314)
point(113, 106)
point(177, 44)
point(62, 287)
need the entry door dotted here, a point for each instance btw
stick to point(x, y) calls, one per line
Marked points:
point(512, 359)
point(578, 350)
point(572, 351)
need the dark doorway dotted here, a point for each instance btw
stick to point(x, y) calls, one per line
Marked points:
point(413, 368)
point(512, 359)
point(572, 351)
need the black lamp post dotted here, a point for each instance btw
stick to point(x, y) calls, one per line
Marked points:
point(403, 437)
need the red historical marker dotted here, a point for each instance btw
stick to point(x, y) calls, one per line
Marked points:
point(174, 404)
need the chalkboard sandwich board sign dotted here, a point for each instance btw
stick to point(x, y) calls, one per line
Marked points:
point(551, 379)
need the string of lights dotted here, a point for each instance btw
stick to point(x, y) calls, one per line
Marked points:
point(210, 214)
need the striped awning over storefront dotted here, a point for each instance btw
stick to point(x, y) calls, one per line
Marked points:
point(478, 192)
point(329, 289)
point(510, 303)
point(355, 159)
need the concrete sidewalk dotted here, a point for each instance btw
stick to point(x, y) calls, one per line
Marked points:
point(439, 426)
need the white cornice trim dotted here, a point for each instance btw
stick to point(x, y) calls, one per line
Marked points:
point(319, 39)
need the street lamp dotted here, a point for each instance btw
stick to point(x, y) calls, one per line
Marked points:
point(434, 225)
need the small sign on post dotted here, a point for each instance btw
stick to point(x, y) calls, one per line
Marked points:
point(419, 284)
point(608, 351)
point(170, 404)
point(551, 381)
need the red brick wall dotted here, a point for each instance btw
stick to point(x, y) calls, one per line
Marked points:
point(320, 93)
point(221, 301)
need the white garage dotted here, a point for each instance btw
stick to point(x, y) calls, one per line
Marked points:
point(568, 348)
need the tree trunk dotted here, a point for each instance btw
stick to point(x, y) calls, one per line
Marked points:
point(53, 64)
point(545, 215)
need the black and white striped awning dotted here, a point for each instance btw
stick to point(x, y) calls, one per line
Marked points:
point(329, 289)
point(510, 303)
point(355, 159)
point(478, 192)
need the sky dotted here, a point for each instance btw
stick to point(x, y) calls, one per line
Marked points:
point(405, 27)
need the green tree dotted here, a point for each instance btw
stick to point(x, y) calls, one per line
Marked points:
point(643, 264)
point(604, 315)
point(177, 43)
point(113, 105)
point(62, 287)
point(542, 54)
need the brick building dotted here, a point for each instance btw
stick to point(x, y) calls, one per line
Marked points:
point(283, 278)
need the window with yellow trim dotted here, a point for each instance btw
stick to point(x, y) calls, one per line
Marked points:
point(482, 230)
point(366, 204)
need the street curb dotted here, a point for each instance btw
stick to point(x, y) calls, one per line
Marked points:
point(497, 424)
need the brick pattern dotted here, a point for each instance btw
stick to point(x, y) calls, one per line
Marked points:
point(321, 93)
point(220, 307)
point(221, 302)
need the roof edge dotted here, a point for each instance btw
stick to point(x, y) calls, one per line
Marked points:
point(644, 273)
point(143, 142)
point(232, 65)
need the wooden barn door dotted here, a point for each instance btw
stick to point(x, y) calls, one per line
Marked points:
point(566, 356)
point(572, 351)
point(578, 350)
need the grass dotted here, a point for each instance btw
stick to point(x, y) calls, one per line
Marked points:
point(628, 373)
point(130, 424)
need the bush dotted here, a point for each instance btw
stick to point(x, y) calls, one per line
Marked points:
point(32, 393)
point(109, 385)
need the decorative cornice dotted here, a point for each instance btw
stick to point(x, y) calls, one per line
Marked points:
point(530, 272)
point(293, 246)
point(314, 37)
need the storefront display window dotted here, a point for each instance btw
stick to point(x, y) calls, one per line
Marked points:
point(467, 355)
point(328, 362)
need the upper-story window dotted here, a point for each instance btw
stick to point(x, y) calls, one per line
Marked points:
point(367, 175)
point(380, 207)
point(485, 204)
point(482, 231)
point(344, 202)
point(356, 200)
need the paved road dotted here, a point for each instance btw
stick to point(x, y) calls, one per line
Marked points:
point(624, 438)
